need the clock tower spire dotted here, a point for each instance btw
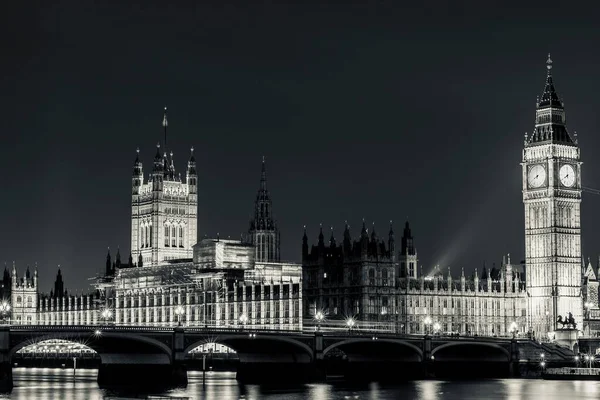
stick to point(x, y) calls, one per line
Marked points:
point(552, 199)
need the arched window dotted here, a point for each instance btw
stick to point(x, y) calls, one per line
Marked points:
point(181, 236)
point(29, 301)
point(167, 234)
point(384, 277)
point(19, 300)
point(371, 277)
point(150, 236)
point(174, 236)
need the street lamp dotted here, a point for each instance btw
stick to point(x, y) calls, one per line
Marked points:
point(350, 322)
point(513, 329)
point(106, 315)
point(427, 323)
point(4, 310)
point(243, 320)
point(319, 317)
point(590, 359)
point(436, 327)
point(179, 312)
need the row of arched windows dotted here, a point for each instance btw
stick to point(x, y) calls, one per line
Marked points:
point(265, 249)
point(174, 236)
point(145, 235)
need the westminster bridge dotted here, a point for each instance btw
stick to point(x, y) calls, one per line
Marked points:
point(162, 354)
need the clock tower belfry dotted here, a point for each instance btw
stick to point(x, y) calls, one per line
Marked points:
point(552, 199)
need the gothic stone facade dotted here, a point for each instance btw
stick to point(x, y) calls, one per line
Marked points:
point(362, 280)
point(552, 200)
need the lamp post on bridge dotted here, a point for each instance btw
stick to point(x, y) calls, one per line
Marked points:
point(427, 322)
point(243, 320)
point(350, 323)
point(106, 315)
point(179, 312)
point(513, 329)
point(4, 310)
point(319, 317)
point(436, 328)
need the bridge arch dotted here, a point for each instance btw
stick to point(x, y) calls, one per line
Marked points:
point(472, 344)
point(368, 340)
point(230, 341)
point(95, 343)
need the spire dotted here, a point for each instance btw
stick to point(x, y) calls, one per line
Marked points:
point(363, 231)
point(137, 157)
point(263, 176)
point(118, 258)
point(332, 239)
point(321, 237)
point(549, 96)
point(550, 115)
point(192, 158)
point(108, 263)
point(165, 123)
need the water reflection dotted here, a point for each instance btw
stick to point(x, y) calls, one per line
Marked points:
point(49, 383)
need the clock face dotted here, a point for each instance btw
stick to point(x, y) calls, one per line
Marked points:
point(536, 176)
point(566, 175)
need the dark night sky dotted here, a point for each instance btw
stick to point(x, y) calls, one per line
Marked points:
point(380, 111)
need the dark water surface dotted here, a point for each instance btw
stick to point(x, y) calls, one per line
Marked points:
point(47, 383)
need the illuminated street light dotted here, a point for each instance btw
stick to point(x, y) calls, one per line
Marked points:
point(436, 327)
point(4, 309)
point(427, 323)
point(97, 333)
point(350, 323)
point(106, 315)
point(179, 312)
point(243, 320)
point(319, 317)
point(513, 328)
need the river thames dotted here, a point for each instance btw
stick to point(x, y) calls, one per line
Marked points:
point(48, 383)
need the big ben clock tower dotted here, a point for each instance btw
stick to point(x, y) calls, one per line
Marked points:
point(552, 199)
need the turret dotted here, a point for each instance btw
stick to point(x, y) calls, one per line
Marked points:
point(130, 261)
point(35, 276)
point(140, 261)
point(476, 280)
point(332, 243)
point(158, 170)
point(463, 281)
point(364, 240)
point(347, 242)
point(191, 176)
point(321, 243)
point(6, 278)
point(14, 275)
point(108, 270)
point(408, 254)
point(59, 284)
point(138, 174)
point(304, 245)
point(118, 260)
point(392, 243)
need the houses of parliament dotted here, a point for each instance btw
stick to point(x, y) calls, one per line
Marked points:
point(374, 279)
